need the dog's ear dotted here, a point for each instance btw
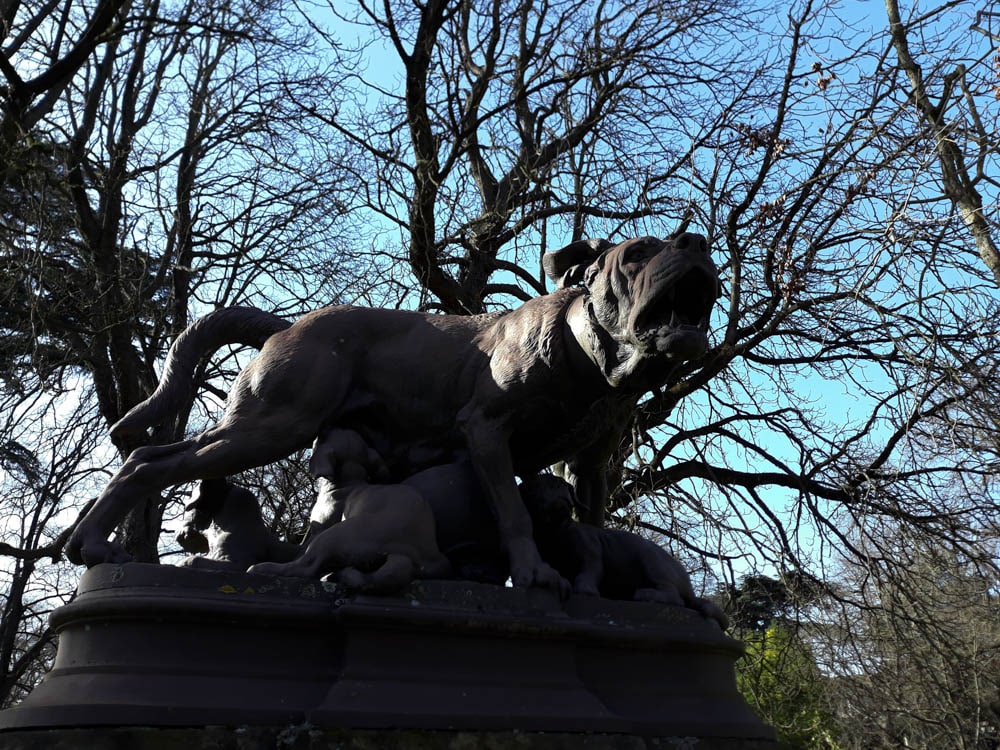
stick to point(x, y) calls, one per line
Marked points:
point(589, 273)
point(566, 266)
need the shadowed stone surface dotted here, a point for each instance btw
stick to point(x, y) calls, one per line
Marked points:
point(312, 738)
point(154, 646)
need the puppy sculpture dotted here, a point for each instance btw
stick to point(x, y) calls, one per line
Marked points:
point(223, 530)
point(378, 537)
point(612, 563)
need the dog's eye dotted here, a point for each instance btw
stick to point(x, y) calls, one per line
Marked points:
point(641, 250)
point(636, 253)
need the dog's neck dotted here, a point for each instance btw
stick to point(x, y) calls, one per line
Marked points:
point(591, 347)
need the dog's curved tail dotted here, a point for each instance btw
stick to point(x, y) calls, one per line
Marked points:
point(231, 325)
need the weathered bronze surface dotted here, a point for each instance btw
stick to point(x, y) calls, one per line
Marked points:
point(159, 646)
point(510, 393)
point(420, 425)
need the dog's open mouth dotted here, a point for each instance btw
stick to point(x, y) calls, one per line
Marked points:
point(676, 321)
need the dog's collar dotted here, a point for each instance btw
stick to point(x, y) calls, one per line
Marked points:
point(592, 352)
point(617, 363)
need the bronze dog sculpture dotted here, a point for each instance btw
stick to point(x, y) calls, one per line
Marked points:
point(380, 537)
point(553, 380)
point(612, 563)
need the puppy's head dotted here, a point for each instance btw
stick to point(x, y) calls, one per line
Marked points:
point(549, 500)
point(206, 502)
point(336, 452)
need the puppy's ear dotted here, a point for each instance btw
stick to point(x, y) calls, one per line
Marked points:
point(378, 472)
point(321, 463)
point(566, 266)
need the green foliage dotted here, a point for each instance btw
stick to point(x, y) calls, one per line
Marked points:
point(780, 679)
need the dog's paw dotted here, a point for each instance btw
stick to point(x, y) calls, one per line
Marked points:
point(91, 552)
point(267, 569)
point(527, 569)
point(560, 585)
point(542, 576)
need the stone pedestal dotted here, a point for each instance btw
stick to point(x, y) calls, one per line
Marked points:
point(162, 649)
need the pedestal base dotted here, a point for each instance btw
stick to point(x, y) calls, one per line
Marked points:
point(313, 738)
point(155, 646)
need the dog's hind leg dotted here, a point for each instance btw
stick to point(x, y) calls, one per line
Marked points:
point(276, 406)
point(218, 452)
point(89, 542)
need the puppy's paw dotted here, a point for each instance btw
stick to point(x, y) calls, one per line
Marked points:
point(192, 540)
point(712, 611)
point(353, 579)
point(585, 587)
point(542, 576)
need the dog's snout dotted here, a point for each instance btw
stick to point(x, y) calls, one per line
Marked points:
point(691, 241)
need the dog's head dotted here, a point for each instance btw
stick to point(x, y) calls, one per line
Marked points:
point(650, 299)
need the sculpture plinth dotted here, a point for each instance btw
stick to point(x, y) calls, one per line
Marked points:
point(156, 646)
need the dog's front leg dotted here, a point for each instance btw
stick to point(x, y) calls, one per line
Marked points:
point(490, 453)
point(591, 486)
point(588, 549)
point(587, 471)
